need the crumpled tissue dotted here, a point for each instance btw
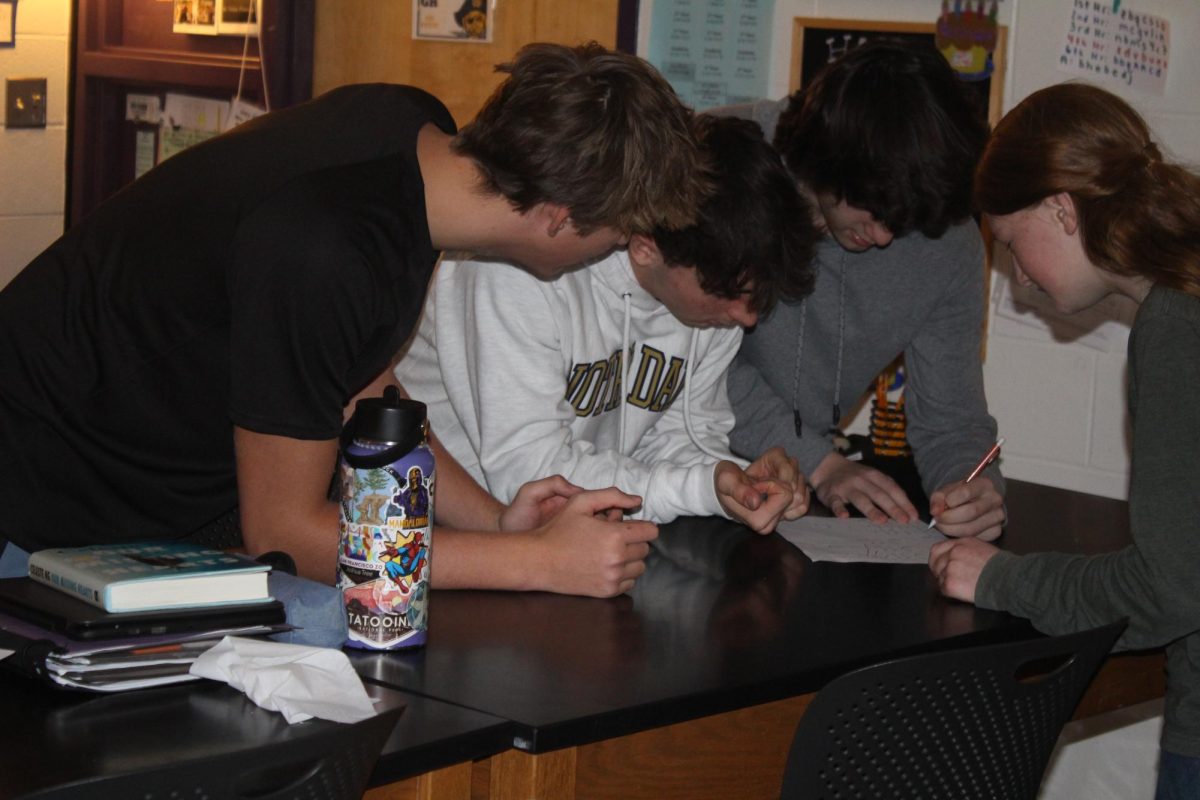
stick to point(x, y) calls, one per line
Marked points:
point(298, 681)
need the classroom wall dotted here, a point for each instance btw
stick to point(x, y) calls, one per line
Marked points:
point(1054, 384)
point(33, 161)
point(369, 40)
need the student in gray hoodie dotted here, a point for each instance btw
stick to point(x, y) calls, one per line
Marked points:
point(884, 141)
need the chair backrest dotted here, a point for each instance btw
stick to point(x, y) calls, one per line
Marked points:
point(977, 722)
point(314, 760)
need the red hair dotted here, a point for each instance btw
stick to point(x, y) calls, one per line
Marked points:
point(1138, 214)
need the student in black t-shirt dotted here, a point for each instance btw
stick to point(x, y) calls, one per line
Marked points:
point(192, 347)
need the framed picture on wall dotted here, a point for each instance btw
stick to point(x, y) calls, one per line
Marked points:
point(195, 16)
point(8, 23)
point(213, 17)
point(454, 21)
point(239, 17)
point(816, 41)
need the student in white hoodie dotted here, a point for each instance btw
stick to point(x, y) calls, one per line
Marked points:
point(525, 378)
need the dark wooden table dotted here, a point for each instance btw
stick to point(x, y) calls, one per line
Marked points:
point(692, 685)
point(689, 687)
point(55, 738)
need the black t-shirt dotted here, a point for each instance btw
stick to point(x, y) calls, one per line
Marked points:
point(260, 279)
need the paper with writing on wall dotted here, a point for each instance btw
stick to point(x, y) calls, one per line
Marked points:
point(1124, 47)
point(858, 539)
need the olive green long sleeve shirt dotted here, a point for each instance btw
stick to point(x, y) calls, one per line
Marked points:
point(1155, 581)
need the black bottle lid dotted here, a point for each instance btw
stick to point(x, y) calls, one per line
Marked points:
point(388, 420)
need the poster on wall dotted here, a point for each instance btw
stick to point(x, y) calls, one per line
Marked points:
point(1118, 46)
point(714, 52)
point(8, 23)
point(213, 17)
point(187, 120)
point(967, 37)
point(238, 17)
point(454, 20)
point(195, 16)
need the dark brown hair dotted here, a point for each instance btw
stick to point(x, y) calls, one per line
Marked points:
point(1138, 214)
point(598, 132)
point(755, 229)
point(889, 128)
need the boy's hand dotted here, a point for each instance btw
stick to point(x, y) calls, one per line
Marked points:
point(536, 502)
point(840, 484)
point(580, 551)
point(757, 504)
point(968, 509)
point(778, 465)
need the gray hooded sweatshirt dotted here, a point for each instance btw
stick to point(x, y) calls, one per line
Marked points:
point(813, 360)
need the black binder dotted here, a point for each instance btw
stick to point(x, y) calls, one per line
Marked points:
point(56, 611)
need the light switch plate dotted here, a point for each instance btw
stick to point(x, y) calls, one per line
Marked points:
point(25, 103)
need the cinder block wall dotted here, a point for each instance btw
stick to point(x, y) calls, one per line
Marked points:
point(33, 161)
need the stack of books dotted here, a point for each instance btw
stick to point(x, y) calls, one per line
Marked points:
point(127, 616)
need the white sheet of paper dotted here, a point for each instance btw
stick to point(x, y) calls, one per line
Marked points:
point(196, 113)
point(860, 540)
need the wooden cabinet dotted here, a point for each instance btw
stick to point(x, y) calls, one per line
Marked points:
point(124, 46)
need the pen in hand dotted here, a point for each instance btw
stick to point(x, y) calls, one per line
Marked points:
point(988, 458)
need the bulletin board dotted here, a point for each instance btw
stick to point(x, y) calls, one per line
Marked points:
point(815, 39)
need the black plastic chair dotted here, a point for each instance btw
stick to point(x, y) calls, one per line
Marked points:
point(978, 722)
point(313, 760)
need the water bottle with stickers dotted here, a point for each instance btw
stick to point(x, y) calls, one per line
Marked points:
point(386, 472)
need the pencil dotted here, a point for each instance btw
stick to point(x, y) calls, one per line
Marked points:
point(988, 458)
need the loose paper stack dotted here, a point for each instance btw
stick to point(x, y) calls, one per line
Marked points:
point(110, 665)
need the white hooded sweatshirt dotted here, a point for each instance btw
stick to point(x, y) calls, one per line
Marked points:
point(522, 379)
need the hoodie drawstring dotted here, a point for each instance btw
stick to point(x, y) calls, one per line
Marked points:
point(796, 371)
point(687, 401)
point(837, 378)
point(625, 358)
